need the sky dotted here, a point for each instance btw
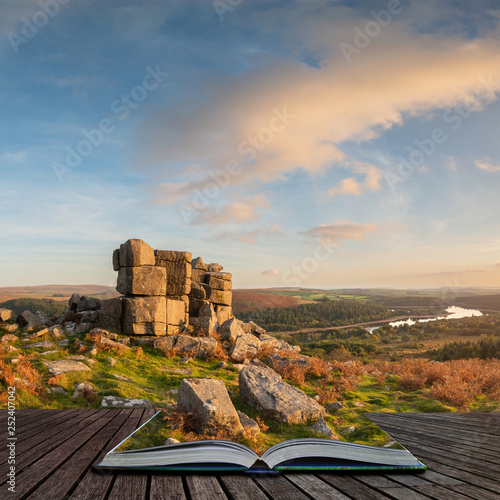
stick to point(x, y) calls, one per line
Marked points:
point(298, 143)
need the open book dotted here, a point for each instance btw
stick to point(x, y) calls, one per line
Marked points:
point(291, 455)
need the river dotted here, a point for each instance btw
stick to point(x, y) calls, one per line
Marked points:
point(454, 312)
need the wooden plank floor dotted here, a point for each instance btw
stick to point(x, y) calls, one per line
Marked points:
point(56, 450)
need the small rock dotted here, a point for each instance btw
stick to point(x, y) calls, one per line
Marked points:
point(39, 344)
point(14, 361)
point(222, 364)
point(116, 402)
point(83, 327)
point(173, 391)
point(70, 327)
point(48, 352)
point(92, 351)
point(9, 338)
point(172, 441)
point(321, 428)
point(56, 390)
point(250, 426)
point(63, 342)
point(186, 360)
point(350, 430)
point(10, 328)
point(112, 361)
point(124, 340)
point(359, 404)
point(119, 377)
point(337, 405)
point(83, 390)
point(6, 314)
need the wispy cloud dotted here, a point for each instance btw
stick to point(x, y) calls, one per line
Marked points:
point(270, 272)
point(242, 211)
point(253, 236)
point(334, 234)
point(485, 164)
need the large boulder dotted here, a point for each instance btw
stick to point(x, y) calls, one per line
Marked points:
point(220, 297)
point(219, 281)
point(209, 400)
point(231, 329)
point(110, 314)
point(223, 313)
point(144, 280)
point(144, 316)
point(206, 323)
point(263, 388)
point(64, 366)
point(246, 346)
point(134, 253)
point(251, 427)
point(88, 304)
point(28, 320)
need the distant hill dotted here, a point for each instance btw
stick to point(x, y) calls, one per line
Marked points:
point(484, 302)
point(56, 292)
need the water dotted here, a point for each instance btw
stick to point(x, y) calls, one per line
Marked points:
point(454, 312)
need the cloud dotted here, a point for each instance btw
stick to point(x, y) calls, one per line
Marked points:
point(279, 114)
point(485, 165)
point(271, 272)
point(333, 234)
point(241, 212)
point(252, 236)
point(352, 186)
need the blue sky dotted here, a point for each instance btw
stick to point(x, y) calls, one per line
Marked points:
point(298, 143)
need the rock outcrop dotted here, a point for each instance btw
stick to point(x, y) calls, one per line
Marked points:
point(263, 388)
point(210, 402)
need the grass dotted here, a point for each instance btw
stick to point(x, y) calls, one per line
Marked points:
point(410, 385)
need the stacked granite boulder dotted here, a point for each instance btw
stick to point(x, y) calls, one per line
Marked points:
point(211, 285)
point(162, 289)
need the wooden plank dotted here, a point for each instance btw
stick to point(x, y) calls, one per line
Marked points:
point(441, 493)
point(452, 459)
point(64, 479)
point(464, 475)
point(30, 478)
point(95, 484)
point(23, 426)
point(44, 420)
point(401, 432)
point(124, 489)
point(204, 487)
point(352, 487)
point(166, 487)
point(475, 492)
point(439, 431)
point(278, 487)
point(27, 456)
point(315, 487)
point(241, 487)
point(47, 430)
